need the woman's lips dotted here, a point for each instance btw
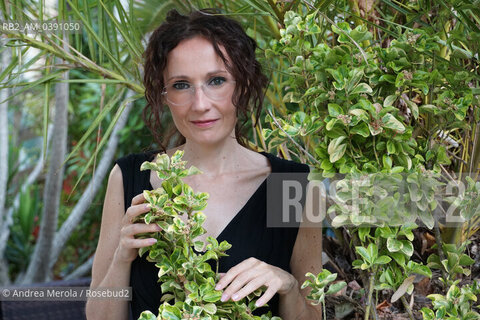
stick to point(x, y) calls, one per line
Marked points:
point(204, 123)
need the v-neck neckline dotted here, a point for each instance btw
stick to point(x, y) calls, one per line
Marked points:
point(238, 215)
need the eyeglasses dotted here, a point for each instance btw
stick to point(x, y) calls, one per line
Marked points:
point(183, 93)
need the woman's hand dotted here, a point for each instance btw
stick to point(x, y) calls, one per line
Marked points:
point(128, 246)
point(251, 274)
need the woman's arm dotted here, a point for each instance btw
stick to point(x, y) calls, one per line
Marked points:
point(116, 248)
point(104, 272)
point(306, 257)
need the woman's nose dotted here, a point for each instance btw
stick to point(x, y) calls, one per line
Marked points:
point(200, 100)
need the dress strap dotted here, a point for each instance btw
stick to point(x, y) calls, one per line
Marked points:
point(282, 165)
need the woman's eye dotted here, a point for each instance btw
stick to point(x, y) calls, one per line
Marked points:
point(180, 86)
point(217, 81)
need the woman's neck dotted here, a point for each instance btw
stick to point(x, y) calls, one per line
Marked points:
point(214, 159)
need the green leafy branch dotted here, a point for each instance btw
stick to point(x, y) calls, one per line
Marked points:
point(188, 281)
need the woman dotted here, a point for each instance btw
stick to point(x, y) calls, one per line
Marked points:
point(206, 65)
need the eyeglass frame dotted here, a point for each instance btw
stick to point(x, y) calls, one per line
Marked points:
point(193, 89)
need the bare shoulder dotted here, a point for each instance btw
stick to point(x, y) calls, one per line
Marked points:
point(254, 160)
point(115, 175)
point(114, 194)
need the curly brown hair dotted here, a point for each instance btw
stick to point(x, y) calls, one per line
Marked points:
point(241, 63)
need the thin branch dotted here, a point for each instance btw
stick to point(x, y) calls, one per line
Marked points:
point(476, 151)
point(62, 53)
point(448, 174)
point(439, 243)
point(81, 270)
point(407, 307)
point(100, 70)
point(278, 13)
point(291, 139)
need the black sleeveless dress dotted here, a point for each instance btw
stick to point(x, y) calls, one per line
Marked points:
point(247, 232)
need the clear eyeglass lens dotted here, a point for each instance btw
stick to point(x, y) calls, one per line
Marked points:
point(180, 93)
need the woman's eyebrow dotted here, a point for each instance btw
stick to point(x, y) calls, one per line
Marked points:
point(177, 77)
point(207, 75)
point(216, 72)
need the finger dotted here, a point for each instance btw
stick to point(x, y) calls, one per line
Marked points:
point(249, 288)
point(138, 199)
point(266, 297)
point(236, 285)
point(242, 280)
point(138, 243)
point(220, 275)
point(136, 210)
point(132, 229)
point(247, 264)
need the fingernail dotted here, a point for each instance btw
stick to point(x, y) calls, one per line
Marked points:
point(235, 297)
point(224, 298)
point(152, 241)
point(217, 287)
point(147, 206)
point(257, 304)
